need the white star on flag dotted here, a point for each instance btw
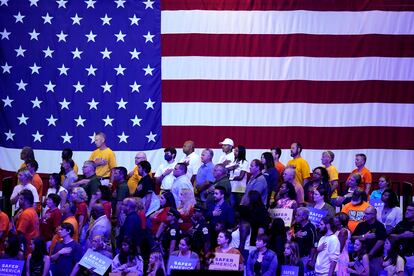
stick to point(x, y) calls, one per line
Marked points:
point(136, 121)
point(62, 36)
point(91, 70)
point(106, 20)
point(33, 2)
point(7, 101)
point(64, 104)
point(51, 121)
point(148, 70)
point(50, 87)
point(36, 103)
point(19, 17)
point(134, 20)
point(93, 104)
point(151, 137)
point(123, 138)
point(20, 51)
point(148, 37)
point(120, 3)
point(108, 121)
point(9, 135)
point(34, 35)
point(121, 104)
point(149, 104)
point(119, 70)
point(90, 4)
point(47, 19)
point(76, 19)
point(61, 4)
point(35, 68)
point(106, 54)
point(6, 68)
point(148, 4)
point(92, 137)
point(79, 121)
point(91, 36)
point(120, 36)
point(37, 136)
point(135, 87)
point(4, 34)
point(78, 87)
point(21, 85)
point(106, 87)
point(76, 54)
point(22, 119)
point(63, 70)
point(48, 52)
point(135, 54)
point(66, 138)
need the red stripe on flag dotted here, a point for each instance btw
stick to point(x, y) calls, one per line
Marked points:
point(287, 91)
point(311, 137)
point(287, 45)
point(285, 5)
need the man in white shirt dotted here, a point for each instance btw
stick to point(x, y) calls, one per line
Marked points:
point(328, 249)
point(228, 155)
point(192, 160)
point(164, 174)
point(181, 182)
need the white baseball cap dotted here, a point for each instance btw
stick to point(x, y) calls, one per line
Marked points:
point(227, 141)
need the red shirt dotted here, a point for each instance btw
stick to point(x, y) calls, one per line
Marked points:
point(50, 222)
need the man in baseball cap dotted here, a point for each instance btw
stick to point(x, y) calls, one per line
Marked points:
point(227, 147)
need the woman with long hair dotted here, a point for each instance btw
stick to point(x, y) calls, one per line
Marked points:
point(352, 184)
point(359, 261)
point(103, 196)
point(160, 216)
point(383, 183)
point(270, 173)
point(128, 260)
point(186, 208)
point(320, 201)
point(393, 263)
point(38, 262)
point(292, 257)
point(390, 214)
point(156, 265)
point(238, 175)
point(320, 178)
point(184, 251)
point(56, 188)
point(344, 237)
point(286, 198)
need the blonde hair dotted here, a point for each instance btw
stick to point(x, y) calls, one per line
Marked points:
point(188, 201)
point(158, 263)
point(80, 193)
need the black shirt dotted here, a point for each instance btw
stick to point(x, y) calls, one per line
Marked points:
point(200, 237)
point(145, 186)
point(305, 237)
point(406, 245)
point(377, 228)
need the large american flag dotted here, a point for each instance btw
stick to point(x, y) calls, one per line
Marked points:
point(333, 75)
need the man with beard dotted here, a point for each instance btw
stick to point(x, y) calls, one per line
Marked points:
point(328, 249)
point(132, 225)
point(220, 210)
point(134, 176)
point(301, 165)
point(163, 175)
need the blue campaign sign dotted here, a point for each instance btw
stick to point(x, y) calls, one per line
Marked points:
point(289, 270)
point(93, 259)
point(11, 267)
point(376, 203)
point(180, 263)
point(315, 215)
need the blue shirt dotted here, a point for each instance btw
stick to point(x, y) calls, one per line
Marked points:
point(205, 173)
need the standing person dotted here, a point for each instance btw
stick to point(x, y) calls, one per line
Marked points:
point(327, 159)
point(156, 265)
point(256, 182)
point(220, 179)
point(320, 178)
point(134, 176)
point(302, 170)
point(320, 198)
point(261, 261)
point(352, 183)
point(51, 219)
point(33, 166)
point(289, 176)
point(25, 178)
point(344, 237)
point(192, 159)
point(68, 216)
point(38, 262)
point(67, 154)
point(390, 214)
point(146, 185)
point(56, 188)
point(67, 253)
point(132, 226)
point(26, 154)
point(366, 176)
point(304, 233)
point(167, 201)
point(79, 197)
point(238, 170)
point(119, 175)
point(392, 262)
point(128, 260)
point(101, 225)
point(4, 229)
point(403, 234)
point(220, 210)
point(373, 234)
point(355, 209)
point(204, 177)
point(291, 256)
point(27, 221)
point(181, 181)
point(328, 248)
point(163, 175)
point(278, 238)
point(102, 196)
point(359, 260)
point(277, 153)
point(90, 182)
point(286, 197)
point(186, 208)
point(200, 235)
point(69, 176)
point(104, 158)
point(223, 241)
point(270, 173)
point(228, 156)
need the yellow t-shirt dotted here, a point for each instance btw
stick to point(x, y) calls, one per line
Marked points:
point(333, 175)
point(133, 180)
point(109, 156)
point(302, 169)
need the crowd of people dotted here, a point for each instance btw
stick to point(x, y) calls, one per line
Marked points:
point(194, 209)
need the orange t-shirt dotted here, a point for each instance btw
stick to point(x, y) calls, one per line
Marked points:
point(366, 177)
point(72, 220)
point(28, 225)
point(355, 213)
point(279, 167)
point(4, 226)
point(38, 183)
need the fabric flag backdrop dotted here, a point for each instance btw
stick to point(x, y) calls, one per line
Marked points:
point(331, 75)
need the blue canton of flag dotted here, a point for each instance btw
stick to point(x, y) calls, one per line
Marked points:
point(72, 68)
